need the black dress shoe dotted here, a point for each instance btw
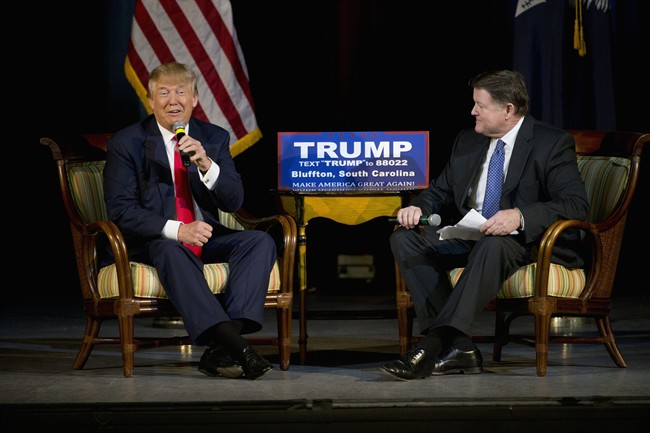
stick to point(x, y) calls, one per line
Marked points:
point(254, 364)
point(216, 361)
point(454, 360)
point(416, 364)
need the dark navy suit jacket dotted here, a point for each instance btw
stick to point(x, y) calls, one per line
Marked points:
point(139, 196)
point(138, 186)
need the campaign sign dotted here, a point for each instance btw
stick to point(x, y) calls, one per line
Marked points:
point(353, 161)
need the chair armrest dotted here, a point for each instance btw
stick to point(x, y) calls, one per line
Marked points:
point(288, 228)
point(250, 222)
point(547, 243)
point(118, 248)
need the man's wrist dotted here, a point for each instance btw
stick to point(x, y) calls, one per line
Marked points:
point(521, 219)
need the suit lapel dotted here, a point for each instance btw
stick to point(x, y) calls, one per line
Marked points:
point(519, 156)
point(157, 168)
point(470, 163)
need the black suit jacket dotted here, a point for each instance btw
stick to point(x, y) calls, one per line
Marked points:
point(543, 181)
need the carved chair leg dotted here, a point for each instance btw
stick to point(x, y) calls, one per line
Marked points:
point(284, 325)
point(125, 323)
point(542, 308)
point(88, 343)
point(404, 323)
point(605, 329)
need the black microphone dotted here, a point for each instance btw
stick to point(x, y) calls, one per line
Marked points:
point(179, 130)
point(431, 220)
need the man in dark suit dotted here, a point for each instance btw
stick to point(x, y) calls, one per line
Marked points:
point(140, 198)
point(541, 185)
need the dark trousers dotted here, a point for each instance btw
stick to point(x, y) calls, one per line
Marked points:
point(250, 255)
point(423, 260)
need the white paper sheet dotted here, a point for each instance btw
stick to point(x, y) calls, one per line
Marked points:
point(467, 228)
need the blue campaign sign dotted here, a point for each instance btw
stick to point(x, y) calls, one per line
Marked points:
point(353, 161)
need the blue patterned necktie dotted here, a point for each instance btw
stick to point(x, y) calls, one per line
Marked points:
point(494, 182)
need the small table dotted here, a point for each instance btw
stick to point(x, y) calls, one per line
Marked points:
point(344, 207)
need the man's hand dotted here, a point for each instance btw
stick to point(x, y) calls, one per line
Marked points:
point(196, 151)
point(502, 223)
point(409, 217)
point(195, 233)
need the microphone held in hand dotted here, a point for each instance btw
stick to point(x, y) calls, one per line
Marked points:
point(179, 130)
point(431, 220)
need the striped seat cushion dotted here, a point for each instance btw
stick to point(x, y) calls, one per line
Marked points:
point(147, 285)
point(563, 282)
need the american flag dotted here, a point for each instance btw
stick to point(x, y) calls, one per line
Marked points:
point(201, 34)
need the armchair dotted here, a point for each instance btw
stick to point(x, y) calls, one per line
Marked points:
point(127, 290)
point(609, 163)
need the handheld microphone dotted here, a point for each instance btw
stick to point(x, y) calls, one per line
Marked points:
point(431, 220)
point(179, 130)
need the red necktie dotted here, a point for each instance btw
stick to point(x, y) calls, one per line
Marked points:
point(184, 203)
